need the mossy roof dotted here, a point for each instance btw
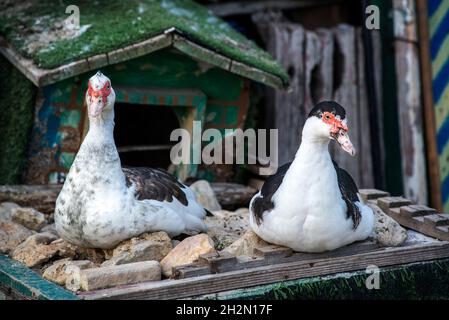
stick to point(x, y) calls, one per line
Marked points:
point(35, 30)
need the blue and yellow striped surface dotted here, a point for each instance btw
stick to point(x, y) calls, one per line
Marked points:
point(439, 50)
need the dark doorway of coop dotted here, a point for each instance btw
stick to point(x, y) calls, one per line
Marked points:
point(142, 134)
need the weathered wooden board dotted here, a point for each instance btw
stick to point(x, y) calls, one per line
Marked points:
point(409, 101)
point(430, 103)
point(189, 287)
point(324, 76)
point(18, 281)
point(417, 217)
point(286, 43)
point(40, 197)
point(263, 256)
point(378, 73)
point(43, 197)
point(346, 95)
point(364, 154)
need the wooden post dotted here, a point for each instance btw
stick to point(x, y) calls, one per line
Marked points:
point(364, 154)
point(433, 169)
point(409, 101)
point(346, 95)
point(286, 43)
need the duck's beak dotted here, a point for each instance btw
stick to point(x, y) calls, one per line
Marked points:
point(98, 98)
point(96, 107)
point(345, 143)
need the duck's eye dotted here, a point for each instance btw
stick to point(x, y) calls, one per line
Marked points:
point(327, 117)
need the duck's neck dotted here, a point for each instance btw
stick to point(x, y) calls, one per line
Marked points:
point(101, 129)
point(312, 157)
point(311, 167)
point(313, 149)
point(98, 148)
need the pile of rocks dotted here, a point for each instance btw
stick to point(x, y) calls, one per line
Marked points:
point(29, 236)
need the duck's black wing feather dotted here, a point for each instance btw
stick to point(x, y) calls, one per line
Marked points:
point(263, 202)
point(349, 193)
point(155, 184)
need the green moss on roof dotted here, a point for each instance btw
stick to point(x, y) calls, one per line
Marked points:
point(36, 30)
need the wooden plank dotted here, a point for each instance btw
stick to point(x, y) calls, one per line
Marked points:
point(404, 14)
point(40, 197)
point(286, 44)
point(198, 52)
point(312, 58)
point(422, 219)
point(409, 102)
point(323, 84)
point(433, 170)
point(392, 202)
point(257, 75)
point(41, 77)
point(376, 39)
point(372, 194)
point(415, 211)
point(436, 220)
point(265, 256)
point(364, 154)
point(176, 289)
point(346, 95)
point(218, 261)
point(43, 197)
point(190, 270)
point(273, 252)
point(27, 283)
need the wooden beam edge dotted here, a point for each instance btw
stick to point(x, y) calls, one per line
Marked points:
point(189, 287)
point(171, 37)
point(15, 275)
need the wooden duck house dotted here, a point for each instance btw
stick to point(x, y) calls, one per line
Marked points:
point(170, 62)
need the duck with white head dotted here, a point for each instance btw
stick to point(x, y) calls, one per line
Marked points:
point(102, 204)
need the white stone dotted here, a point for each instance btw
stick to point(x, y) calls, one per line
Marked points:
point(205, 195)
point(60, 270)
point(186, 252)
point(387, 231)
point(246, 244)
point(112, 276)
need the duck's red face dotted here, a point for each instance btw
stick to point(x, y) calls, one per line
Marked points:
point(338, 131)
point(98, 91)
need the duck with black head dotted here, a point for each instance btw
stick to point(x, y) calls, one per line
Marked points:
point(310, 204)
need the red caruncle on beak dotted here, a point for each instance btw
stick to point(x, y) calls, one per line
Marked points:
point(98, 98)
point(336, 123)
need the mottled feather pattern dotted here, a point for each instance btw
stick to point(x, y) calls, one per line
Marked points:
point(154, 184)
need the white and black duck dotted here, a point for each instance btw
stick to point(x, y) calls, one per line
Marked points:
point(102, 203)
point(310, 204)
